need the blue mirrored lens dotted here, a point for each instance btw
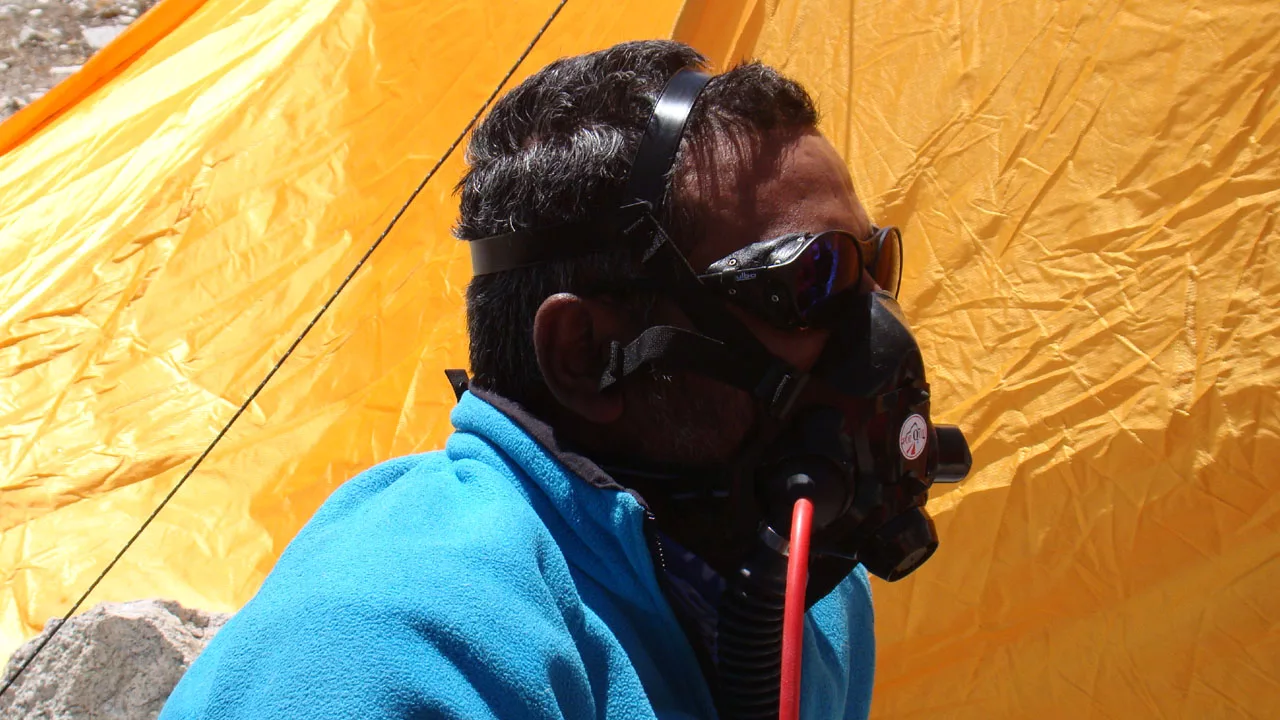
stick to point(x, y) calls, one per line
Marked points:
point(830, 264)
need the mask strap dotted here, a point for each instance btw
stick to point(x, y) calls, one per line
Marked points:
point(645, 194)
point(734, 355)
point(665, 348)
point(656, 155)
point(728, 351)
point(527, 248)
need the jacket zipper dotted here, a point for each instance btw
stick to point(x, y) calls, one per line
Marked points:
point(652, 532)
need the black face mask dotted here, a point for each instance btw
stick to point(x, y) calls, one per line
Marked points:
point(859, 442)
point(854, 434)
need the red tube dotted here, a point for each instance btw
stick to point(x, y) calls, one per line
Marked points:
point(793, 612)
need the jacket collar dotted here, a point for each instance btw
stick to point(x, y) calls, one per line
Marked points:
point(586, 469)
point(598, 525)
point(581, 505)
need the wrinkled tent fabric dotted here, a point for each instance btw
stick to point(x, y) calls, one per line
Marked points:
point(1088, 190)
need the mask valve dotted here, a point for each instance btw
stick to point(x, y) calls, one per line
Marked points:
point(954, 458)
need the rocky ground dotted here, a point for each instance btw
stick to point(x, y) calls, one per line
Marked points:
point(118, 661)
point(43, 42)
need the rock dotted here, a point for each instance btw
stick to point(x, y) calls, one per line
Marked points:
point(119, 660)
point(27, 35)
point(35, 12)
point(98, 37)
point(64, 70)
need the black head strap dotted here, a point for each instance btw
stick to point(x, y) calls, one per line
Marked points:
point(645, 194)
point(656, 156)
point(664, 348)
point(526, 248)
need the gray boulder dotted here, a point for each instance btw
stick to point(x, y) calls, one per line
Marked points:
point(118, 661)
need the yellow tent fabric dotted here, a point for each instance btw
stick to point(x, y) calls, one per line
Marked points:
point(136, 39)
point(1088, 191)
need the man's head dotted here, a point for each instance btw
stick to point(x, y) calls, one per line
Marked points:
point(559, 148)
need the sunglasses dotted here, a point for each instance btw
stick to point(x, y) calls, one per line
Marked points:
point(787, 281)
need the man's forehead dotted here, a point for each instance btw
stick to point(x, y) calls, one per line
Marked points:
point(782, 183)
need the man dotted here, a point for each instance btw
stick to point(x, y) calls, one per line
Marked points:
point(572, 551)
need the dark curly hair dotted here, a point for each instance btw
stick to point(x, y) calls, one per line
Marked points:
point(558, 148)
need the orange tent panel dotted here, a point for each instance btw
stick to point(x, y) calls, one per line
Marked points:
point(1087, 193)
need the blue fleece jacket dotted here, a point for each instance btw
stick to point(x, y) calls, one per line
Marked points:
point(485, 581)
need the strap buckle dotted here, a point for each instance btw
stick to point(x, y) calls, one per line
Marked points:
point(780, 388)
point(459, 381)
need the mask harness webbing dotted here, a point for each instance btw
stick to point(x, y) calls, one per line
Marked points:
point(722, 347)
point(736, 356)
point(751, 639)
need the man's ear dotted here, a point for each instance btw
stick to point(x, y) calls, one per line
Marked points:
point(571, 337)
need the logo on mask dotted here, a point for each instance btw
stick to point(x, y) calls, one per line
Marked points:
point(912, 437)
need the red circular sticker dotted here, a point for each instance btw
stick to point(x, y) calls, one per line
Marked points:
point(912, 437)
